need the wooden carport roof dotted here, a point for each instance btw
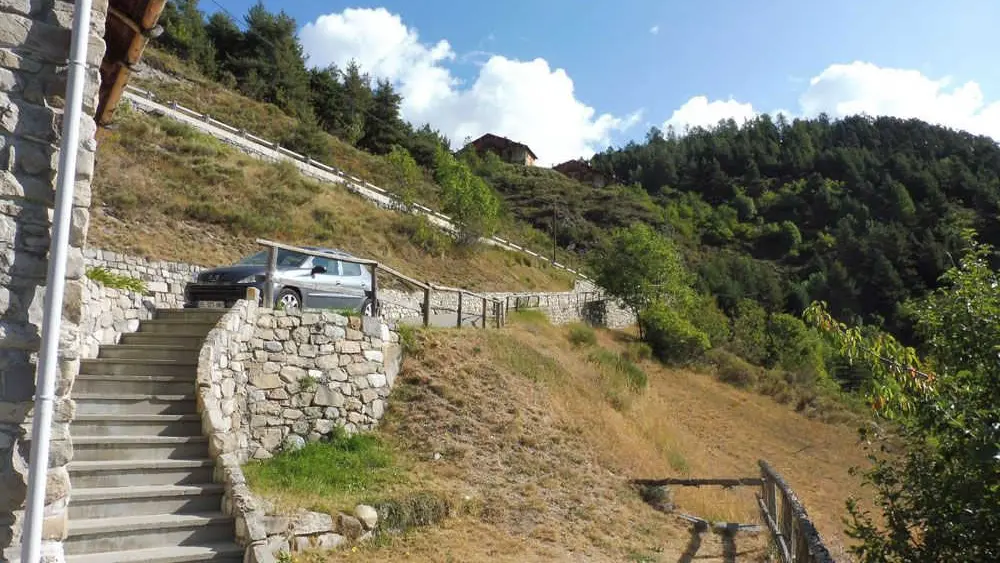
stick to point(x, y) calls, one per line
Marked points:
point(130, 25)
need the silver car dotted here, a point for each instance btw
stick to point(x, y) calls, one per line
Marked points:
point(302, 281)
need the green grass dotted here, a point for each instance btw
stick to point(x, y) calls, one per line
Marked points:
point(582, 335)
point(115, 281)
point(632, 375)
point(529, 317)
point(356, 467)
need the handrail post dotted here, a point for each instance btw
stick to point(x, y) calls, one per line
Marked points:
point(459, 322)
point(375, 311)
point(427, 306)
point(484, 312)
point(272, 269)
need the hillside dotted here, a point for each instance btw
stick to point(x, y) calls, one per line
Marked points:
point(533, 439)
point(165, 191)
point(174, 79)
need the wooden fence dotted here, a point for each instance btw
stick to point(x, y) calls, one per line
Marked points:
point(375, 267)
point(794, 534)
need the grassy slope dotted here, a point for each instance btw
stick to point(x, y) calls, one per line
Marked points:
point(186, 86)
point(165, 191)
point(526, 427)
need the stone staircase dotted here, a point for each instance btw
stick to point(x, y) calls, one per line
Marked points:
point(141, 472)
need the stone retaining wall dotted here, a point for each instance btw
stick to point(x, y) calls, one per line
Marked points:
point(164, 280)
point(559, 307)
point(312, 372)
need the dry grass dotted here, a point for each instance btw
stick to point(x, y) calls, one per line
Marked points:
point(524, 426)
point(164, 191)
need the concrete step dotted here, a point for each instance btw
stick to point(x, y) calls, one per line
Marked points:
point(154, 338)
point(145, 500)
point(134, 404)
point(132, 473)
point(201, 314)
point(150, 352)
point(120, 448)
point(218, 553)
point(135, 384)
point(121, 366)
point(96, 535)
point(136, 425)
point(176, 326)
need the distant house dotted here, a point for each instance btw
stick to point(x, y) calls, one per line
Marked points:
point(581, 171)
point(508, 150)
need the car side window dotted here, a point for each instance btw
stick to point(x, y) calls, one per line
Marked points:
point(330, 265)
point(350, 269)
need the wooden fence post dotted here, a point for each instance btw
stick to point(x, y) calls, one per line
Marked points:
point(484, 312)
point(498, 311)
point(375, 311)
point(459, 322)
point(272, 269)
point(427, 306)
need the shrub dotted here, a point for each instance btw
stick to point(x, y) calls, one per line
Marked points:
point(582, 335)
point(707, 317)
point(409, 342)
point(638, 352)
point(426, 236)
point(750, 331)
point(732, 369)
point(671, 336)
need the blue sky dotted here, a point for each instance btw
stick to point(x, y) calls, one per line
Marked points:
point(757, 55)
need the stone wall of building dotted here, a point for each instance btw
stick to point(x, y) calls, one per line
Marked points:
point(34, 49)
point(108, 313)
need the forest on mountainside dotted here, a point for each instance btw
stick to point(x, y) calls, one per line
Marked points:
point(861, 212)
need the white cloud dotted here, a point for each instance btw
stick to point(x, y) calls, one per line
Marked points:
point(655, 29)
point(524, 100)
point(860, 87)
point(699, 112)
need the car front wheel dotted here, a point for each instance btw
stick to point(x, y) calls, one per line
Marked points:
point(368, 308)
point(288, 299)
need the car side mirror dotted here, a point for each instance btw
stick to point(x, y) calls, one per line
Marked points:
point(318, 270)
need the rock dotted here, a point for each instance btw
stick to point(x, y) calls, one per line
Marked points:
point(330, 541)
point(366, 515)
point(275, 525)
point(323, 426)
point(363, 368)
point(349, 526)
point(265, 380)
point(312, 523)
point(294, 443)
point(291, 373)
point(376, 380)
point(373, 356)
point(327, 397)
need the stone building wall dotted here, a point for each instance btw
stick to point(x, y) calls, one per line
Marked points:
point(34, 48)
point(107, 313)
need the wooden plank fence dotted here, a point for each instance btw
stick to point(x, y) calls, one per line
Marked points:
point(795, 538)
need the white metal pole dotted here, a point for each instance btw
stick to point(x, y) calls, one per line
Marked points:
point(48, 357)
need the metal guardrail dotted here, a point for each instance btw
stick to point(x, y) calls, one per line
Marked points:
point(499, 313)
point(353, 183)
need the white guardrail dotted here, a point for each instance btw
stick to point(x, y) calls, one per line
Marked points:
point(145, 100)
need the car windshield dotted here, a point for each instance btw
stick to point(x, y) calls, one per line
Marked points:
point(286, 258)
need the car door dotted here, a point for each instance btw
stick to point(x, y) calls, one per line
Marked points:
point(323, 286)
point(353, 284)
